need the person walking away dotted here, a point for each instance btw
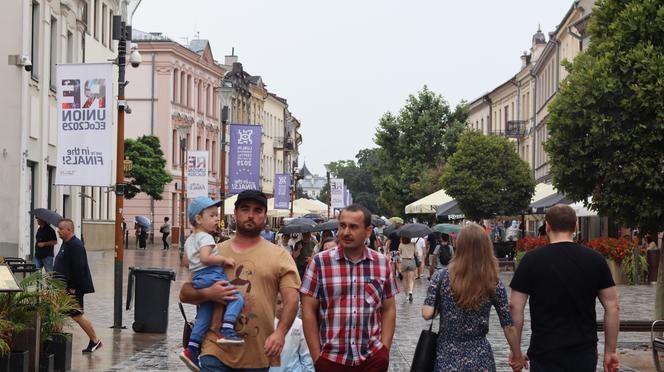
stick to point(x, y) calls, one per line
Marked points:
point(283, 243)
point(295, 356)
point(45, 241)
point(420, 245)
point(207, 268)
point(268, 234)
point(407, 252)
point(305, 254)
point(261, 271)
point(561, 281)
point(71, 264)
point(165, 231)
point(348, 308)
point(465, 293)
point(442, 254)
point(392, 243)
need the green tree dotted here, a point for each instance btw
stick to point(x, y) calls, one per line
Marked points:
point(487, 178)
point(148, 173)
point(420, 138)
point(357, 180)
point(607, 121)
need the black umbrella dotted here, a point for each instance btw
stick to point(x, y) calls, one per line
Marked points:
point(298, 226)
point(414, 230)
point(315, 217)
point(329, 225)
point(377, 221)
point(47, 215)
point(390, 229)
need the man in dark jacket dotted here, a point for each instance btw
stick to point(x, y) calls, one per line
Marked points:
point(45, 241)
point(71, 263)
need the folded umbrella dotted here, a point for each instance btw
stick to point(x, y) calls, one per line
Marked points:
point(143, 221)
point(414, 230)
point(47, 215)
point(447, 228)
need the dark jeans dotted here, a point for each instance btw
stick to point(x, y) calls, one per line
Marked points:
point(212, 364)
point(579, 359)
point(376, 363)
point(164, 239)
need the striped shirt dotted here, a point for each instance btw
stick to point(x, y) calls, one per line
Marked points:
point(350, 295)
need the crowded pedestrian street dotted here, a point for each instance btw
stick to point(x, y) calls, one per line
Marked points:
point(127, 350)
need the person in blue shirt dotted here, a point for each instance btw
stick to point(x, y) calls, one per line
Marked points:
point(268, 234)
point(295, 355)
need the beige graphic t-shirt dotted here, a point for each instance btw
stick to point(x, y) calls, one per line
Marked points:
point(259, 273)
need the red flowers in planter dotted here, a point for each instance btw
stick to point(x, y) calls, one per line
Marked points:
point(530, 242)
point(612, 248)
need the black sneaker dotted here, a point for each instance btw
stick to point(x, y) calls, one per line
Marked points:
point(410, 298)
point(92, 346)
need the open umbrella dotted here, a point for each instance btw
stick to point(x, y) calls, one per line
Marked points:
point(47, 215)
point(414, 230)
point(298, 226)
point(143, 221)
point(315, 217)
point(390, 229)
point(447, 228)
point(398, 220)
point(329, 225)
point(377, 221)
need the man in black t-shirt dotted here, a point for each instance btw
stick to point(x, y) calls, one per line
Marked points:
point(561, 281)
point(45, 241)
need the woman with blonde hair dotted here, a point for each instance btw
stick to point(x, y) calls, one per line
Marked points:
point(463, 295)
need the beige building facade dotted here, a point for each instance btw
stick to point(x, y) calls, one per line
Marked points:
point(46, 33)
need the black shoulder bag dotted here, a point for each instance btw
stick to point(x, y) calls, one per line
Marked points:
point(424, 359)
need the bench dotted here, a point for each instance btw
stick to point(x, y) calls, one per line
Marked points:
point(656, 342)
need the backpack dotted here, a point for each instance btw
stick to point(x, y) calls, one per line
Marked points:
point(444, 254)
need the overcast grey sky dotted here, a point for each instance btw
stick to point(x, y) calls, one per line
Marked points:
point(342, 64)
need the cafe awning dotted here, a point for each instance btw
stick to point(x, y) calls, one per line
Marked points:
point(429, 203)
point(449, 211)
point(542, 205)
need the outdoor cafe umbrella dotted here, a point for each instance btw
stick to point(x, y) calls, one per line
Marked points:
point(414, 230)
point(143, 221)
point(447, 228)
point(298, 226)
point(47, 215)
point(329, 225)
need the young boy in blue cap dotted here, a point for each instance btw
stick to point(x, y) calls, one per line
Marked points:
point(207, 268)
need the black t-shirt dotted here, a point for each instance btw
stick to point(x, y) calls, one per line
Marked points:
point(394, 241)
point(44, 234)
point(562, 280)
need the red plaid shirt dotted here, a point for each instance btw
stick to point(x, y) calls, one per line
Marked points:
point(350, 296)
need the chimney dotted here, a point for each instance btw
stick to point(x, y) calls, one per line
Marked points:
point(230, 60)
point(524, 59)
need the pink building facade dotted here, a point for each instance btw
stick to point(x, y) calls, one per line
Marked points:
point(174, 85)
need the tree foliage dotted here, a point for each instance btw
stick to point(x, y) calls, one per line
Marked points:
point(148, 173)
point(607, 121)
point(420, 138)
point(487, 178)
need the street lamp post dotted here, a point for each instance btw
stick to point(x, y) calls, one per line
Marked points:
point(329, 191)
point(183, 130)
point(227, 94)
point(122, 33)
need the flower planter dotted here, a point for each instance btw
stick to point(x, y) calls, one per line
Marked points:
point(46, 362)
point(19, 361)
point(616, 271)
point(60, 346)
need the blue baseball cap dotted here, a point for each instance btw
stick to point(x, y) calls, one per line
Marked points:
point(198, 204)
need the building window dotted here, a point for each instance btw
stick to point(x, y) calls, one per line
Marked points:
point(103, 25)
point(214, 156)
point(34, 42)
point(84, 16)
point(199, 97)
point(176, 76)
point(175, 148)
point(183, 88)
point(95, 21)
point(53, 45)
point(198, 142)
point(189, 91)
point(70, 47)
point(110, 29)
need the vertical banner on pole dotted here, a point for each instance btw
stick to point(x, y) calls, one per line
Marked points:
point(244, 158)
point(337, 193)
point(197, 174)
point(282, 191)
point(85, 124)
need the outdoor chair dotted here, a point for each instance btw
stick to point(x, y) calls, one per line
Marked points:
point(657, 343)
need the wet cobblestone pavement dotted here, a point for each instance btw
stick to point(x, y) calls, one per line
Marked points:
point(127, 350)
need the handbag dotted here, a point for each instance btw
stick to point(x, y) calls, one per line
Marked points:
point(424, 359)
point(186, 330)
point(417, 261)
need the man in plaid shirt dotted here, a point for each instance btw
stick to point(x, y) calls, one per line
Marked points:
point(351, 290)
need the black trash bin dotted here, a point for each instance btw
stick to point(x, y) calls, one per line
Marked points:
point(152, 287)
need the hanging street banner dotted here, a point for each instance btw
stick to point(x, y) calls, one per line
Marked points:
point(337, 193)
point(244, 158)
point(85, 124)
point(197, 174)
point(282, 191)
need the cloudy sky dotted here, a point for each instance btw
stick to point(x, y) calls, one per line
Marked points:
point(342, 64)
